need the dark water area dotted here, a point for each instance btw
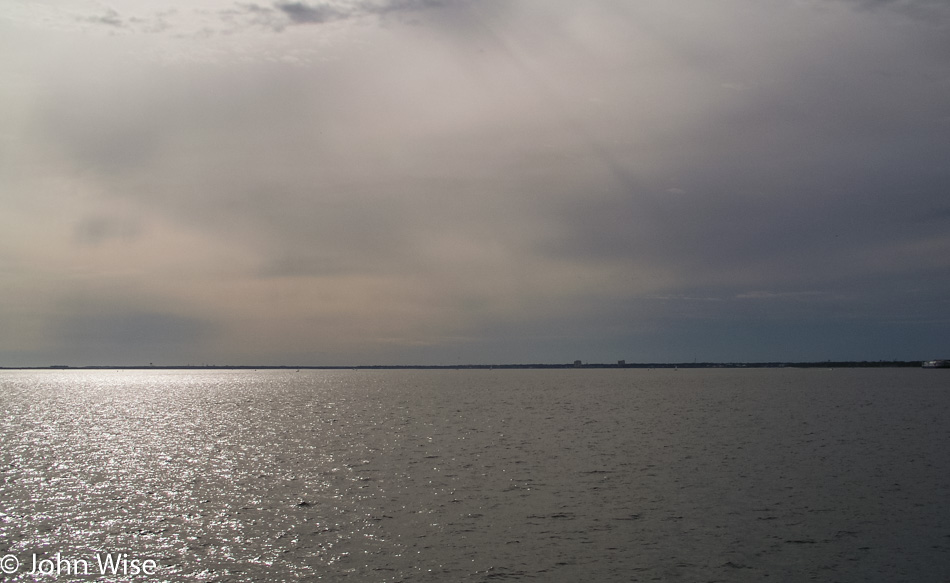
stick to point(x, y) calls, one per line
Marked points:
point(478, 475)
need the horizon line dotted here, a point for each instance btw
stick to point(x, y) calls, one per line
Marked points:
point(575, 364)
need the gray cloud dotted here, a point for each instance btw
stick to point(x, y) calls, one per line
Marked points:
point(301, 13)
point(920, 9)
point(279, 15)
point(529, 183)
point(110, 18)
point(98, 229)
point(117, 336)
point(155, 22)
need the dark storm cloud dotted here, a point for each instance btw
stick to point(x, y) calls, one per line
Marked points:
point(797, 178)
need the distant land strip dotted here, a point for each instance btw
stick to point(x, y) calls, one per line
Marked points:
point(578, 365)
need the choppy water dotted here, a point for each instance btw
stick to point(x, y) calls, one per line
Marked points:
point(556, 475)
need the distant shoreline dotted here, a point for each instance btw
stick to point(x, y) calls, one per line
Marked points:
point(636, 365)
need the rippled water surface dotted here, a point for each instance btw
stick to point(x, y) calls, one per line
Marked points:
point(550, 475)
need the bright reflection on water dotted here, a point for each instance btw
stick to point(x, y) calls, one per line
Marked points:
point(612, 475)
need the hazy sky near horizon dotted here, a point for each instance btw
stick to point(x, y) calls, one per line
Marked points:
point(443, 181)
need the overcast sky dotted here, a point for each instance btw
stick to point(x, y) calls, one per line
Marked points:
point(476, 181)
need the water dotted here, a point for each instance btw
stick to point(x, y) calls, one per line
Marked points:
point(547, 475)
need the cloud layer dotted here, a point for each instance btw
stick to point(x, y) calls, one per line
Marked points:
point(476, 181)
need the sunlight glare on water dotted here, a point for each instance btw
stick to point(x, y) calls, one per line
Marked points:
point(611, 475)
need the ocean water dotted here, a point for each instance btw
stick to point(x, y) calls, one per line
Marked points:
point(476, 475)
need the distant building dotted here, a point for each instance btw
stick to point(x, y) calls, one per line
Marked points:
point(577, 364)
point(621, 363)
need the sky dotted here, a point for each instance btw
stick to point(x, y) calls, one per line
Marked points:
point(350, 182)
